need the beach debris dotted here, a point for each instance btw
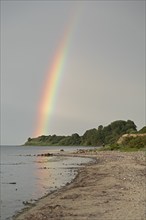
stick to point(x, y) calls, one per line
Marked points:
point(61, 150)
point(44, 168)
point(51, 207)
point(72, 196)
point(32, 201)
point(25, 203)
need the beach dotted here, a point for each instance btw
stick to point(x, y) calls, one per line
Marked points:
point(112, 188)
point(29, 173)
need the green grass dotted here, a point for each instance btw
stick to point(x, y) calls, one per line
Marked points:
point(121, 148)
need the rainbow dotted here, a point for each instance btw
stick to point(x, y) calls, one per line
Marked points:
point(52, 80)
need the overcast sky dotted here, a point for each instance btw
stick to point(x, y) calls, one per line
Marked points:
point(104, 74)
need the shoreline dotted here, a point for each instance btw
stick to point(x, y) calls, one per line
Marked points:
point(67, 154)
point(112, 187)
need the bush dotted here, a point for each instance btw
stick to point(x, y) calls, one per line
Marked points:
point(137, 142)
point(143, 130)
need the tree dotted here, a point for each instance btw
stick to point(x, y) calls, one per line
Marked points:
point(29, 139)
point(130, 126)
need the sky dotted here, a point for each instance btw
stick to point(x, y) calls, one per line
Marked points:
point(103, 78)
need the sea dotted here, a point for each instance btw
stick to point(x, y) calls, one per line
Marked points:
point(26, 177)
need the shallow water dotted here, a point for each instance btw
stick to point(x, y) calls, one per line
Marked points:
point(25, 177)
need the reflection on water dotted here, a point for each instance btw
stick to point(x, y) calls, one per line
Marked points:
point(26, 178)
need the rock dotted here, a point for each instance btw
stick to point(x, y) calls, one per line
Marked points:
point(26, 203)
point(44, 155)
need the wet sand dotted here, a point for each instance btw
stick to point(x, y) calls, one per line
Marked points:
point(113, 188)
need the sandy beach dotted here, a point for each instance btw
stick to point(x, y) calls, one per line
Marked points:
point(112, 188)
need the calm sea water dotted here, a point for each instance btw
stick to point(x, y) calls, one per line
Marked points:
point(25, 177)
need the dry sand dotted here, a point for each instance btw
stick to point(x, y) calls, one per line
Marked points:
point(113, 188)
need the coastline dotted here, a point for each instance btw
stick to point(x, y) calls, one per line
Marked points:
point(113, 187)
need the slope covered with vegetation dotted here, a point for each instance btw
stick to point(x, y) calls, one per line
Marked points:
point(93, 137)
point(142, 131)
